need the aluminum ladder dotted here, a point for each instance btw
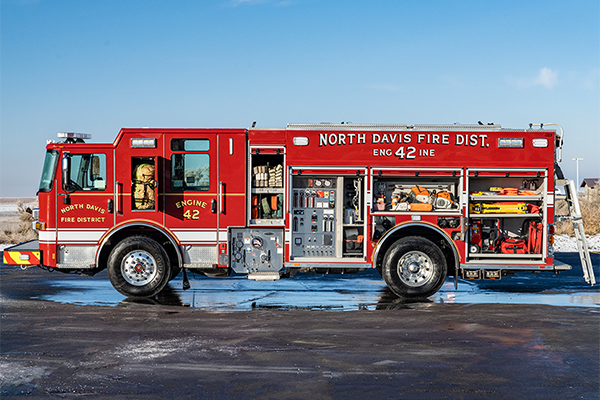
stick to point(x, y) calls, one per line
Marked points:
point(575, 217)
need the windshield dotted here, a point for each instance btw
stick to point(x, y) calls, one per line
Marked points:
point(49, 171)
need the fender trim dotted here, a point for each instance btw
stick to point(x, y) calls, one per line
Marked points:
point(427, 225)
point(167, 234)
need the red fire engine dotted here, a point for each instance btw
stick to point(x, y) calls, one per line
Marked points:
point(417, 203)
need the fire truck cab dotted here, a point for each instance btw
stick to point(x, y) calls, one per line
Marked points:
point(417, 203)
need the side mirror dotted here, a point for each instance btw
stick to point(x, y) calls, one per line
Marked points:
point(66, 172)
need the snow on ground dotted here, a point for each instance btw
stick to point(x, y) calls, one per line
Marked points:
point(565, 243)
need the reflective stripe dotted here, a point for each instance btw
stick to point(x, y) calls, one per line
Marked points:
point(21, 257)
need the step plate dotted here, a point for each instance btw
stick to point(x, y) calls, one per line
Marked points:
point(264, 276)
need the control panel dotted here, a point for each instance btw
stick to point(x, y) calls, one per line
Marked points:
point(313, 217)
point(256, 250)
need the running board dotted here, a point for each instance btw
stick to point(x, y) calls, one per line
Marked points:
point(575, 217)
point(264, 276)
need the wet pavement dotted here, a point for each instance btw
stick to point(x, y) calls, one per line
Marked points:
point(319, 337)
point(365, 290)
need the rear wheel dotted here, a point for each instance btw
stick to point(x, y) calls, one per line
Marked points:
point(139, 267)
point(414, 267)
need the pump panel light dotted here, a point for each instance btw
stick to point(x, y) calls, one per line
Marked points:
point(513, 143)
point(143, 143)
point(300, 141)
point(541, 142)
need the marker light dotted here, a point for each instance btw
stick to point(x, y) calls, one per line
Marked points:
point(513, 143)
point(145, 143)
point(300, 141)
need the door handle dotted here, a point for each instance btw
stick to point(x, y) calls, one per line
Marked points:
point(213, 206)
point(221, 197)
point(117, 208)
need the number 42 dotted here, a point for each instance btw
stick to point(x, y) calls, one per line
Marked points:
point(410, 152)
point(189, 214)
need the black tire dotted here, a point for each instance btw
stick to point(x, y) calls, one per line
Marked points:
point(414, 267)
point(175, 270)
point(139, 267)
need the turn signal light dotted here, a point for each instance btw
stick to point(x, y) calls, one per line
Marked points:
point(38, 226)
point(551, 239)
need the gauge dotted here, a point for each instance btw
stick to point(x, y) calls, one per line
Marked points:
point(318, 183)
point(257, 242)
point(327, 183)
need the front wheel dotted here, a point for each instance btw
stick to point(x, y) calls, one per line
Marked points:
point(414, 267)
point(139, 267)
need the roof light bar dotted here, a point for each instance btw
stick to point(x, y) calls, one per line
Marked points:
point(73, 135)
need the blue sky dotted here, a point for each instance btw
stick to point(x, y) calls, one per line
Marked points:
point(96, 66)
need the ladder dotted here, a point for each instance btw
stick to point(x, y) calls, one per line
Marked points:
point(575, 217)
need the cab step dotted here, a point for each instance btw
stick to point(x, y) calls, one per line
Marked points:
point(264, 276)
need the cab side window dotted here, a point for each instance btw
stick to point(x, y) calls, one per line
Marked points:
point(190, 171)
point(88, 172)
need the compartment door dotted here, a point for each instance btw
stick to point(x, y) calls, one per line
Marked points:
point(138, 184)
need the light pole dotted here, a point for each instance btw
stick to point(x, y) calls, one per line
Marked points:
point(577, 161)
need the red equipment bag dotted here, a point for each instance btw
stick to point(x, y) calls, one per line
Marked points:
point(534, 236)
point(513, 246)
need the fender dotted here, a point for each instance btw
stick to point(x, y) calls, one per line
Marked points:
point(147, 224)
point(424, 224)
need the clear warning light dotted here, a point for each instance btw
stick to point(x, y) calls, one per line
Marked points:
point(514, 143)
point(300, 141)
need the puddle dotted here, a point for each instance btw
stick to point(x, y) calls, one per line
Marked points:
point(363, 291)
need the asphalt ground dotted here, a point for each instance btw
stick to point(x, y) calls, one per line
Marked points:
point(310, 337)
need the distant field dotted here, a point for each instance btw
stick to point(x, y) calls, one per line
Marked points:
point(14, 227)
point(15, 200)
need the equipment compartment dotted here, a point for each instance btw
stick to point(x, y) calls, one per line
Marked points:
point(424, 191)
point(506, 214)
point(327, 217)
point(266, 181)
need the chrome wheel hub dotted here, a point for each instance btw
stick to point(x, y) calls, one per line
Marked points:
point(139, 268)
point(415, 268)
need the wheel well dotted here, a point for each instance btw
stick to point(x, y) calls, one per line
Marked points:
point(420, 230)
point(136, 230)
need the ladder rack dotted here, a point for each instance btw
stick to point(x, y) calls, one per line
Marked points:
point(575, 217)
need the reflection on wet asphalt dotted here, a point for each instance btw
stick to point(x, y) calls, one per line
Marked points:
point(363, 291)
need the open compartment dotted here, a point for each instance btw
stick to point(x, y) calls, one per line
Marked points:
point(505, 214)
point(327, 214)
point(266, 180)
point(402, 190)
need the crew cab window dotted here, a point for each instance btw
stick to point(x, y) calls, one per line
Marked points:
point(190, 172)
point(88, 172)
